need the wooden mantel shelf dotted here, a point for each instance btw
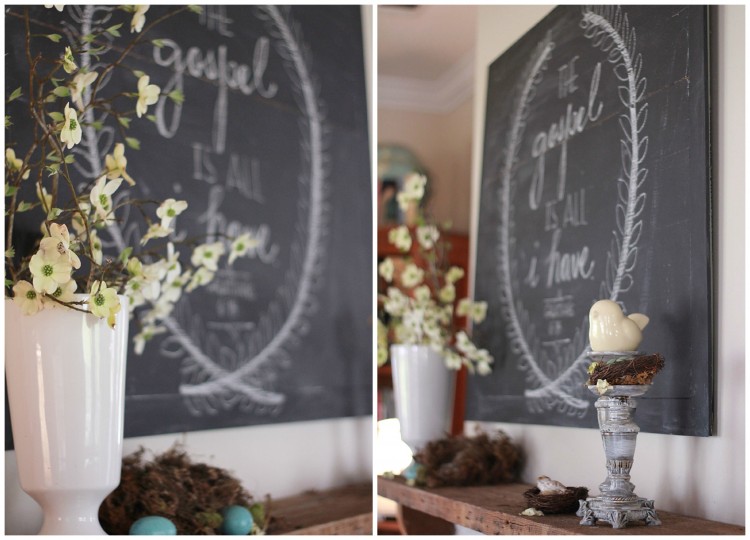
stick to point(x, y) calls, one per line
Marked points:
point(496, 509)
point(346, 510)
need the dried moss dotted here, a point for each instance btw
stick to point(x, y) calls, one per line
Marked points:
point(637, 370)
point(191, 495)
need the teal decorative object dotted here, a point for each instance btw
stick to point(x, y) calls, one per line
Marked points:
point(237, 520)
point(153, 525)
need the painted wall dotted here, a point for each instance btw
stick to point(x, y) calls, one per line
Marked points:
point(702, 477)
point(442, 143)
point(279, 460)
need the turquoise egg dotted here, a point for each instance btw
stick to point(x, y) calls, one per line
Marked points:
point(153, 525)
point(237, 520)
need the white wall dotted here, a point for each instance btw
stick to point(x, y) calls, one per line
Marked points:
point(702, 477)
point(279, 460)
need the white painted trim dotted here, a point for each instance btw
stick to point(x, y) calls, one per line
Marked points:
point(441, 95)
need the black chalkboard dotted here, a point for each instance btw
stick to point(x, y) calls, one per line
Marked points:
point(272, 138)
point(596, 184)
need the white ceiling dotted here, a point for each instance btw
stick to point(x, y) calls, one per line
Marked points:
point(425, 55)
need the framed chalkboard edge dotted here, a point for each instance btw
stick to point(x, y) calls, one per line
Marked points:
point(711, 68)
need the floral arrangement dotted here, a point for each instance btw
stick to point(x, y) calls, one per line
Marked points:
point(421, 299)
point(64, 96)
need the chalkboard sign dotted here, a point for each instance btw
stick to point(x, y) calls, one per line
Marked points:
point(596, 184)
point(272, 138)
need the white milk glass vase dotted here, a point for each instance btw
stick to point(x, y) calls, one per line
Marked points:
point(65, 374)
point(423, 389)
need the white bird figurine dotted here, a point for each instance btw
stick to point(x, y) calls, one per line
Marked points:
point(610, 330)
point(547, 486)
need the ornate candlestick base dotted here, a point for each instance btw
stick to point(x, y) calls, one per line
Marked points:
point(617, 504)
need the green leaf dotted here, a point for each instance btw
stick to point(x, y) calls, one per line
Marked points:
point(61, 91)
point(10, 252)
point(88, 38)
point(125, 121)
point(8, 123)
point(158, 43)
point(23, 206)
point(53, 169)
point(53, 156)
point(125, 255)
point(54, 213)
point(10, 190)
point(258, 512)
point(56, 116)
point(151, 117)
point(195, 9)
point(133, 143)
point(54, 37)
point(177, 96)
point(113, 30)
point(15, 95)
point(97, 125)
point(138, 73)
point(50, 98)
point(8, 283)
point(69, 159)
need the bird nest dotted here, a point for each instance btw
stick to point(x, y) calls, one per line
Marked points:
point(556, 503)
point(634, 370)
point(470, 461)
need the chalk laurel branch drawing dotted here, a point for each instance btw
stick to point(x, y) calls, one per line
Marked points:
point(241, 370)
point(557, 381)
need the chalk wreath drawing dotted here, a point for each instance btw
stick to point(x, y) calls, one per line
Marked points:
point(241, 374)
point(557, 380)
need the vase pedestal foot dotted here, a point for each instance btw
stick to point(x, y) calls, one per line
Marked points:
point(69, 512)
point(617, 513)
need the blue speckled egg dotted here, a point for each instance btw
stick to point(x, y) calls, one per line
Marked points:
point(237, 520)
point(411, 472)
point(153, 525)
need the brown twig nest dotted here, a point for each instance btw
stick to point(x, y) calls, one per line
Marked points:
point(470, 461)
point(191, 495)
point(556, 503)
point(636, 370)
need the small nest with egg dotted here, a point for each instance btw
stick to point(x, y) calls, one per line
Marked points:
point(556, 503)
point(470, 461)
point(636, 370)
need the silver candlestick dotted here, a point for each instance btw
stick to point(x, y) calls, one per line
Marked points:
point(617, 504)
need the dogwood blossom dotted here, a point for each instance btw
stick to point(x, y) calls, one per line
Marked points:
point(104, 302)
point(396, 302)
point(400, 237)
point(139, 19)
point(78, 220)
point(146, 334)
point(447, 294)
point(202, 276)
point(116, 162)
point(207, 255)
point(155, 230)
point(69, 63)
point(148, 94)
point(49, 270)
point(58, 7)
point(26, 298)
point(427, 235)
point(413, 190)
point(59, 241)
point(170, 209)
point(64, 293)
point(454, 274)
point(15, 164)
point(241, 246)
point(96, 247)
point(412, 276)
point(101, 198)
point(79, 84)
point(602, 386)
point(71, 130)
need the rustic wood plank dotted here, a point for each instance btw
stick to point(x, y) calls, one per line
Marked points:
point(496, 509)
point(345, 510)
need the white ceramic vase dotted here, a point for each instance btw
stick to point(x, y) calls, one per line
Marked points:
point(423, 389)
point(65, 373)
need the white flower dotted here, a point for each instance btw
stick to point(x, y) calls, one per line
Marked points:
point(160, 311)
point(447, 294)
point(139, 18)
point(148, 94)
point(427, 235)
point(207, 255)
point(464, 344)
point(155, 230)
point(15, 164)
point(101, 198)
point(172, 265)
point(413, 190)
point(385, 269)
point(78, 221)
point(44, 198)
point(27, 299)
point(242, 245)
point(49, 270)
point(148, 332)
point(116, 162)
point(422, 295)
point(411, 276)
point(58, 7)
point(96, 247)
point(104, 302)
point(452, 359)
point(483, 368)
point(64, 293)
point(170, 209)
point(478, 311)
point(400, 237)
point(396, 302)
point(69, 64)
point(80, 82)
point(59, 242)
point(602, 386)
point(201, 277)
point(454, 274)
point(71, 130)
point(134, 292)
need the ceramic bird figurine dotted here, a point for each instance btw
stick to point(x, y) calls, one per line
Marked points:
point(610, 330)
point(547, 486)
